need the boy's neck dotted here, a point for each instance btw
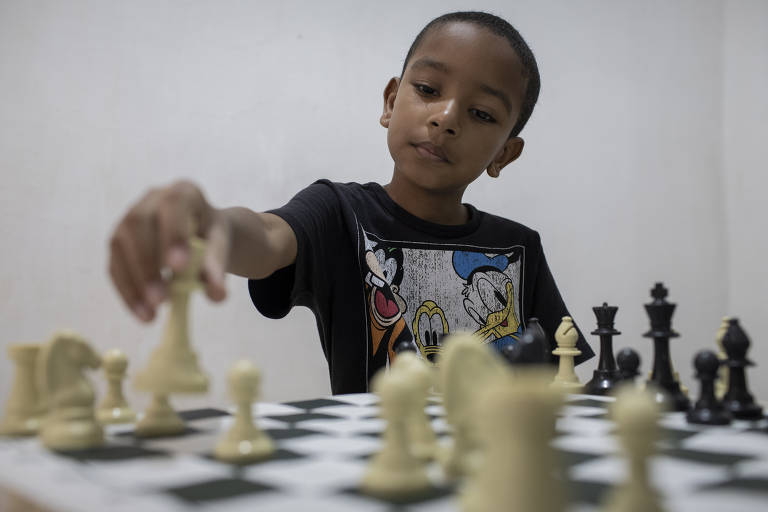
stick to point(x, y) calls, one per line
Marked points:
point(444, 209)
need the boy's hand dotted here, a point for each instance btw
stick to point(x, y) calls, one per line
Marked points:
point(153, 235)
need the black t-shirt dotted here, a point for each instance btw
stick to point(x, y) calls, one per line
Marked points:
point(376, 276)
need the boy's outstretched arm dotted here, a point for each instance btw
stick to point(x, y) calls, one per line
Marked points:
point(154, 234)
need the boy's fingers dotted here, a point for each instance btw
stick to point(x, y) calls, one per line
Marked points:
point(180, 214)
point(215, 261)
point(126, 286)
point(141, 254)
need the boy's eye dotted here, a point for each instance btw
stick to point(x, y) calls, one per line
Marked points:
point(425, 89)
point(483, 116)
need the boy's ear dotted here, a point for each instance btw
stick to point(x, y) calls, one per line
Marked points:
point(390, 93)
point(508, 153)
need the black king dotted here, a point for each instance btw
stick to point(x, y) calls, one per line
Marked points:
point(662, 381)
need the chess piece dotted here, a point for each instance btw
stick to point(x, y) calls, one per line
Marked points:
point(245, 441)
point(738, 400)
point(516, 425)
point(24, 408)
point(607, 375)
point(566, 337)
point(531, 349)
point(421, 436)
point(708, 410)
point(721, 384)
point(114, 408)
point(71, 423)
point(667, 388)
point(394, 472)
point(628, 362)
point(636, 414)
point(173, 365)
point(465, 366)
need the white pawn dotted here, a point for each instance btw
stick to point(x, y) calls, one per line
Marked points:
point(636, 414)
point(566, 337)
point(423, 441)
point(244, 442)
point(394, 472)
point(516, 425)
point(114, 408)
point(24, 408)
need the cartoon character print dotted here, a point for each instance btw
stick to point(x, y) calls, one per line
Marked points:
point(429, 328)
point(489, 295)
point(386, 307)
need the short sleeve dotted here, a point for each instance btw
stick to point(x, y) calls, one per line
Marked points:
point(314, 216)
point(549, 307)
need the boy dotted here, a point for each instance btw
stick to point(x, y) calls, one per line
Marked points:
point(382, 267)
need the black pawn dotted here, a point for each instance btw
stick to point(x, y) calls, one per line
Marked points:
point(662, 379)
point(532, 347)
point(708, 410)
point(628, 361)
point(606, 376)
point(738, 399)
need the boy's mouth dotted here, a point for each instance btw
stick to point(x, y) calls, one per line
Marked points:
point(429, 150)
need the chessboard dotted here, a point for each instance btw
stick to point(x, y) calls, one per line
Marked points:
point(324, 446)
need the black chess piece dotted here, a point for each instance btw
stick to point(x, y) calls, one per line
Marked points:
point(666, 388)
point(628, 361)
point(607, 375)
point(738, 399)
point(708, 409)
point(405, 345)
point(532, 347)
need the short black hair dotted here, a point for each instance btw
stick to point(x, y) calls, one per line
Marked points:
point(501, 28)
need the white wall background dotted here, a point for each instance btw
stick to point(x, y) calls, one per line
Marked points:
point(645, 158)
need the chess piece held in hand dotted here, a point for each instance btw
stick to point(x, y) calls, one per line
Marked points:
point(244, 441)
point(24, 408)
point(114, 408)
point(173, 366)
point(71, 423)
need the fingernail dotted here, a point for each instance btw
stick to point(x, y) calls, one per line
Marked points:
point(177, 257)
point(142, 312)
point(155, 294)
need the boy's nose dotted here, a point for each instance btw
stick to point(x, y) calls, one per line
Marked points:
point(445, 118)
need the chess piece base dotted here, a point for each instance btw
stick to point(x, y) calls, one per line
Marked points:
point(115, 415)
point(160, 419)
point(19, 426)
point(602, 383)
point(742, 411)
point(379, 482)
point(709, 416)
point(65, 434)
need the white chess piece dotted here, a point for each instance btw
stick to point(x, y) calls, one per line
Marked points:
point(566, 337)
point(114, 408)
point(721, 384)
point(173, 366)
point(636, 414)
point(394, 472)
point(24, 408)
point(517, 416)
point(244, 441)
point(465, 366)
point(71, 423)
point(422, 437)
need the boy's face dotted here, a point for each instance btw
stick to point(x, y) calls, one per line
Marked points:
point(450, 115)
